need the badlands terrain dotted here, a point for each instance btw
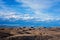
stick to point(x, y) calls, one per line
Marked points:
point(29, 33)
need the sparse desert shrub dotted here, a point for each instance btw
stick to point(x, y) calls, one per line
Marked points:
point(24, 27)
point(27, 32)
point(2, 29)
point(24, 30)
point(39, 28)
point(20, 32)
point(44, 33)
point(32, 27)
point(11, 28)
point(45, 27)
point(20, 28)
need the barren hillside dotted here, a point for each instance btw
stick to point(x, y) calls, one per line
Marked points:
point(29, 33)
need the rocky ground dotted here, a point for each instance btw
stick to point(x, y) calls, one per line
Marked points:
point(29, 33)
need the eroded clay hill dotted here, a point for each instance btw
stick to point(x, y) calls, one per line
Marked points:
point(29, 33)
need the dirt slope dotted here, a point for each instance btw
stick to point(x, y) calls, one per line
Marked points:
point(29, 33)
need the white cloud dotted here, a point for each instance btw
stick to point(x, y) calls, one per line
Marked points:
point(15, 16)
point(36, 5)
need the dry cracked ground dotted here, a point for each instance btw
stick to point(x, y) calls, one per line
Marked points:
point(29, 33)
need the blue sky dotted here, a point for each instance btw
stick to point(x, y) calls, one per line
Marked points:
point(30, 12)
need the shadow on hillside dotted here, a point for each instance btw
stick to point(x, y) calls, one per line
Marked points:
point(3, 35)
point(30, 38)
